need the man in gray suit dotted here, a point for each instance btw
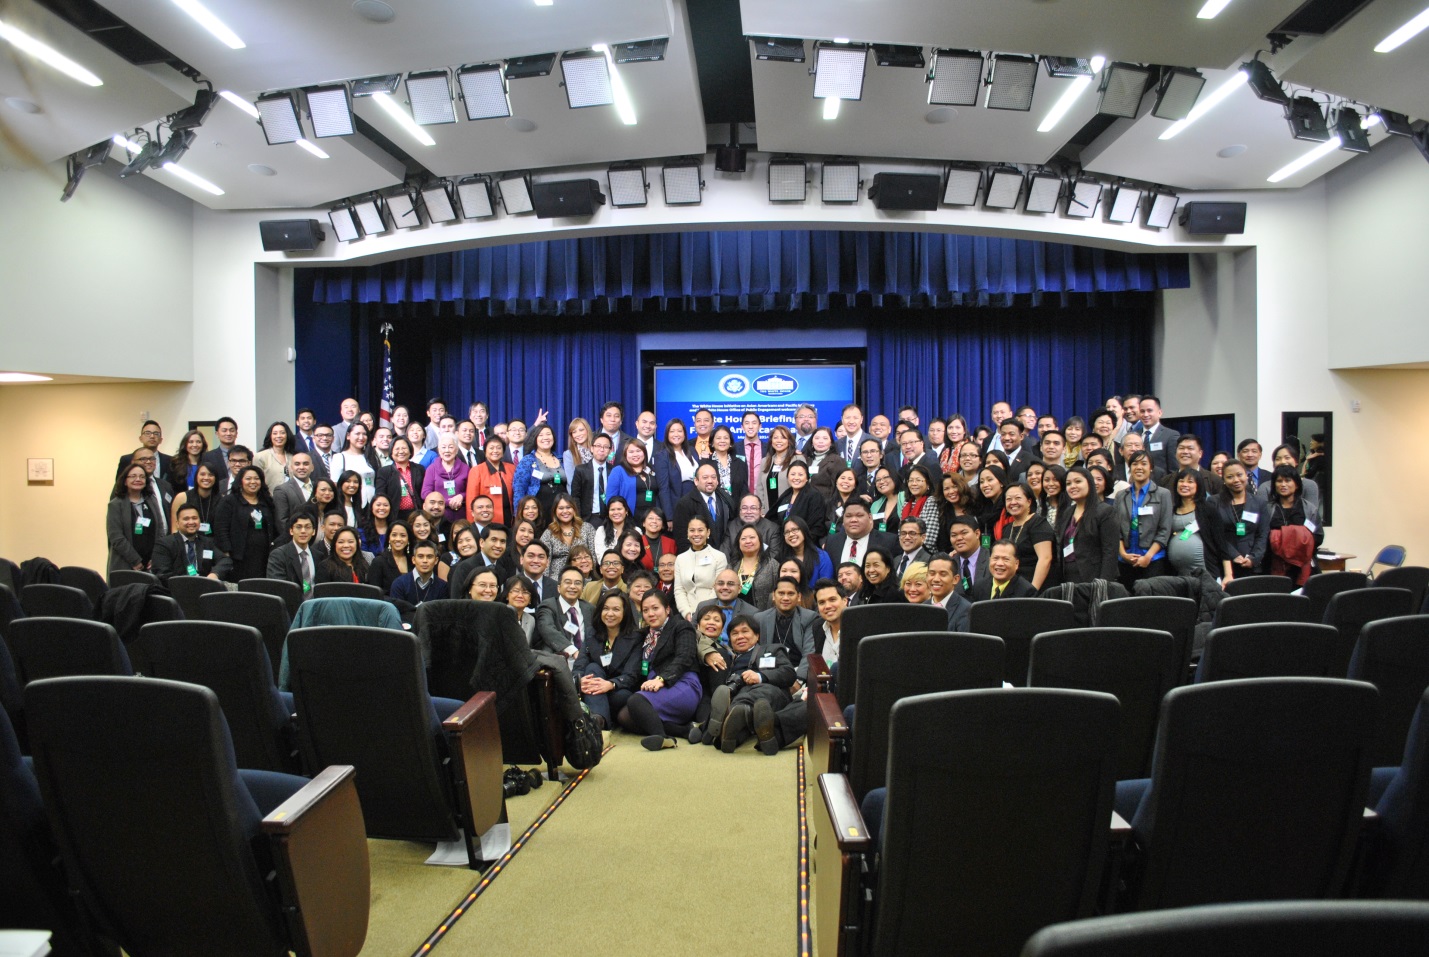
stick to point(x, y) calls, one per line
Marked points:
point(943, 583)
point(564, 623)
point(968, 552)
point(296, 490)
point(296, 561)
point(791, 625)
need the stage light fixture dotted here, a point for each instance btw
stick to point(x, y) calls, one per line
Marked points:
point(178, 144)
point(1067, 67)
point(962, 185)
point(142, 160)
point(483, 92)
point(1161, 209)
point(278, 115)
point(1044, 192)
point(474, 195)
point(640, 51)
point(1083, 197)
point(1123, 85)
point(1421, 142)
point(587, 79)
point(1124, 200)
point(437, 201)
point(627, 185)
point(96, 155)
point(1349, 127)
point(1395, 124)
point(192, 117)
point(369, 212)
point(839, 182)
point(1004, 188)
point(779, 49)
point(402, 207)
point(344, 224)
point(1014, 78)
point(1263, 83)
point(1307, 120)
point(516, 193)
point(373, 85)
point(788, 181)
point(330, 111)
point(525, 67)
point(956, 78)
point(682, 182)
point(1177, 93)
point(839, 70)
point(430, 95)
point(893, 54)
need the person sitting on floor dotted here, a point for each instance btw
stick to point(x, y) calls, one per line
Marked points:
point(757, 685)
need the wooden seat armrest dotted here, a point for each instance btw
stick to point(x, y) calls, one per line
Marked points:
point(464, 716)
point(474, 743)
point(820, 678)
point(1120, 828)
point(319, 847)
point(844, 813)
point(828, 713)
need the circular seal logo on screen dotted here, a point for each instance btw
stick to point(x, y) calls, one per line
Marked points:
point(733, 386)
point(775, 386)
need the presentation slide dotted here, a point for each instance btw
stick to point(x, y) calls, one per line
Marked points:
point(772, 391)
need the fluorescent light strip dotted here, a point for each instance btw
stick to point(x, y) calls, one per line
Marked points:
point(831, 107)
point(1207, 103)
point(1405, 33)
point(24, 377)
point(1078, 87)
point(403, 118)
point(239, 102)
point(128, 144)
point(1316, 154)
point(205, 18)
point(624, 106)
point(1212, 7)
point(314, 149)
point(193, 178)
point(25, 43)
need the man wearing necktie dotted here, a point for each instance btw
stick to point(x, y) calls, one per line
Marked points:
point(564, 623)
point(1002, 580)
point(588, 482)
point(706, 499)
point(753, 447)
point(186, 552)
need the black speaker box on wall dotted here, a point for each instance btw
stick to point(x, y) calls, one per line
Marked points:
point(1221, 218)
point(730, 159)
point(281, 235)
point(906, 191)
point(566, 197)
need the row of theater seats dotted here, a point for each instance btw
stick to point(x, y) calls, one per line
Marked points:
point(950, 811)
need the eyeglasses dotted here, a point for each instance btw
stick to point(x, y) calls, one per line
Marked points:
point(152, 432)
point(616, 563)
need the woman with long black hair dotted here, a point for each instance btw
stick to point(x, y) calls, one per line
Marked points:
point(246, 525)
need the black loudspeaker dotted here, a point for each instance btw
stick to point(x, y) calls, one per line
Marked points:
point(566, 197)
point(1213, 217)
point(906, 190)
point(281, 235)
point(730, 159)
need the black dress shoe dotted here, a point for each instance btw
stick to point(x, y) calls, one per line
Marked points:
point(764, 727)
point(735, 725)
point(656, 742)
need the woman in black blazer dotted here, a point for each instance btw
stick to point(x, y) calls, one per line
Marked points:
point(732, 470)
point(132, 521)
point(608, 668)
point(669, 686)
point(246, 524)
point(801, 500)
point(390, 480)
point(1087, 533)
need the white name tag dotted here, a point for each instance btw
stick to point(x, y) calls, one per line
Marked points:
point(767, 661)
point(1146, 510)
point(1156, 446)
point(813, 470)
point(208, 554)
point(1069, 549)
point(606, 659)
point(493, 490)
point(706, 560)
point(204, 527)
point(782, 508)
point(1250, 516)
point(1193, 528)
point(572, 628)
point(1311, 526)
point(255, 515)
point(450, 487)
point(777, 468)
point(143, 521)
point(537, 474)
point(839, 511)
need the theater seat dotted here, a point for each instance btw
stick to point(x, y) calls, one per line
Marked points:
point(860, 621)
point(1017, 621)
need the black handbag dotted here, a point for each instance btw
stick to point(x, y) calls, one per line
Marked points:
point(584, 742)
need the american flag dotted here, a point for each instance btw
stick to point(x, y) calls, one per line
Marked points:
point(389, 398)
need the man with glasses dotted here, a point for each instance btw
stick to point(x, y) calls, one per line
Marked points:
point(610, 577)
point(151, 434)
point(323, 437)
point(239, 458)
point(912, 451)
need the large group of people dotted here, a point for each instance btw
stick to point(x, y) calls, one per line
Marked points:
point(684, 575)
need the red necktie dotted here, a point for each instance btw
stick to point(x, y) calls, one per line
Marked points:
point(853, 549)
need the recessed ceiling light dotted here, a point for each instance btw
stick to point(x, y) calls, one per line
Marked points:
point(520, 124)
point(1405, 33)
point(261, 170)
point(1232, 151)
point(940, 114)
point(205, 18)
point(24, 377)
point(45, 53)
point(374, 10)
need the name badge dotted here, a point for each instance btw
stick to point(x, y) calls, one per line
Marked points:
point(777, 468)
point(813, 470)
point(1156, 446)
point(204, 528)
point(208, 554)
point(1146, 510)
point(493, 490)
point(1069, 549)
point(784, 507)
point(556, 477)
point(368, 478)
point(1310, 526)
point(839, 511)
point(767, 661)
point(1240, 529)
point(537, 474)
point(773, 482)
point(192, 570)
point(1250, 516)
point(143, 522)
point(572, 628)
point(705, 560)
point(257, 519)
point(606, 659)
point(649, 496)
point(450, 487)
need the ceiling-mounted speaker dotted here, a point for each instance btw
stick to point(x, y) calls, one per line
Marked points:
point(284, 235)
point(730, 159)
point(906, 190)
point(1221, 218)
point(565, 198)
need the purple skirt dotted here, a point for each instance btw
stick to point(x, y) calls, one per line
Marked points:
point(676, 704)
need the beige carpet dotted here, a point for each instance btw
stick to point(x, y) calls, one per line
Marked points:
point(684, 851)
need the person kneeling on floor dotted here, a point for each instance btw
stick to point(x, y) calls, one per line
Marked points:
point(757, 685)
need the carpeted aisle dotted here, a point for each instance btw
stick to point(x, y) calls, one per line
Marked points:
point(685, 851)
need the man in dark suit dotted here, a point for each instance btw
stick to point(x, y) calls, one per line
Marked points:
point(912, 450)
point(853, 434)
point(186, 552)
point(943, 584)
point(1002, 580)
point(1248, 453)
point(150, 435)
point(1158, 440)
point(535, 559)
point(912, 533)
point(787, 623)
point(852, 543)
point(706, 499)
point(217, 457)
point(1012, 443)
point(588, 483)
point(1188, 456)
point(297, 561)
point(751, 512)
point(564, 623)
point(968, 553)
point(726, 586)
point(296, 490)
point(493, 552)
point(612, 417)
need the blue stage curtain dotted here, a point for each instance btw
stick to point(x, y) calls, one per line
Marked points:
point(753, 271)
point(1064, 362)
